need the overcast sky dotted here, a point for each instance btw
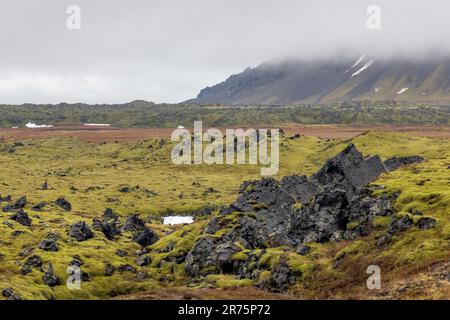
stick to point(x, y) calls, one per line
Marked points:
point(167, 50)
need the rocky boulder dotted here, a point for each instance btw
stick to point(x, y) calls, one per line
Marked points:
point(334, 204)
point(48, 244)
point(9, 294)
point(143, 261)
point(5, 199)
point(108, 227)
point(141, 233)
point(200, 257)
point(426, 223)
point(39, 206)
point(349, 170)
point(21, 217)
point(133, 223)
point(50, 278)
point(17, 206)
point(34, 262)
point(401, 224)
point(282, 277)
point(80, 231)
point(109, 224)
point(145, 237)
point(300, 187)
point(63, 204)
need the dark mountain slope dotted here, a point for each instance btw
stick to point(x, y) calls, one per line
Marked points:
point(364, 78)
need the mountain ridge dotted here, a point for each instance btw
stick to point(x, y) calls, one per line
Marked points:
point(363, 78)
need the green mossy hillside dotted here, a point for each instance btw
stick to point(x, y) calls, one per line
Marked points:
point(140, 178)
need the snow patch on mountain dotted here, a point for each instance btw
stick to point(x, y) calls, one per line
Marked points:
point(366, 66)
point(360, 59)
point(402, 90)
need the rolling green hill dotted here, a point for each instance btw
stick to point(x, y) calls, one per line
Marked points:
point(139, 178)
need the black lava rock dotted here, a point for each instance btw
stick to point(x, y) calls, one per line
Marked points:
point(17, 206)
point(133, 223)
point(64, 204)
point(399, 225)
point(5, 199)
point(384, 241)
point(48, 244)
point(80, 231)
point(143, 261)
point(145, 237)
point(109, 270)
point(22, 218)
point(50, 278)
point(426, 223)
point(9, 294)
point(34, 262)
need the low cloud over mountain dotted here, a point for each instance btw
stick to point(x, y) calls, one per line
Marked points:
point(363, 78)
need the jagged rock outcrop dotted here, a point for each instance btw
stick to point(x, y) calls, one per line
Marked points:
point(335, 204)
point(349, 171)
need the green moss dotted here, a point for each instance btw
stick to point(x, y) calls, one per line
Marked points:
point(352, 225)
point(240, 256)
point(297, 205)
point(355, 248)
point(234, 283)
point(265, 276)
point(300, 265)
point(227, 281)
point(379, 222)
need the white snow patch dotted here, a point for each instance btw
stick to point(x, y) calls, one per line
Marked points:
point(364, 67)
point(172, 220)
point(401, 91)
point(97, 124)
point(34, 125)
point(360, 59)
point(377, 89)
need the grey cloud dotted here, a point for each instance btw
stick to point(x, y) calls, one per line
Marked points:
point(167, 50)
